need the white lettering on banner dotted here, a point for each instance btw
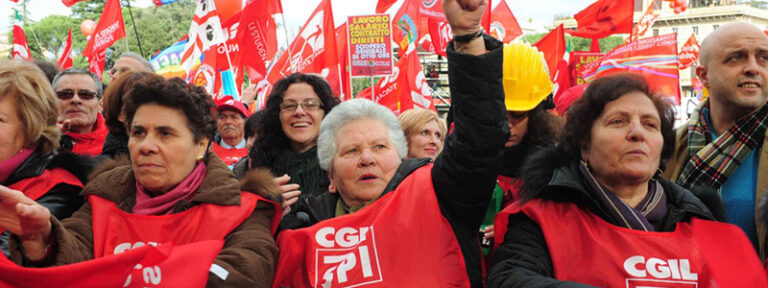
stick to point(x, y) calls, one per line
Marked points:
point(346, 259)
point(105, 37)
point(122, 247)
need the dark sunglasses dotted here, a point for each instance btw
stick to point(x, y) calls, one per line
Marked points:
point(69, 93)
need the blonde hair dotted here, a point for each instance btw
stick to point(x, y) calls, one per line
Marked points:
point(37, 105)
point(413, 120)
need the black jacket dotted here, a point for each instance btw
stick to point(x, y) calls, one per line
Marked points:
point(464, 174)
point(63, 199)
point(523, 259)
point(115, 145)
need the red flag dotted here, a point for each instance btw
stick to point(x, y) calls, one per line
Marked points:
point(646, 21)
point(504, 24)
point(342, 52)
point(204, 32)
point(603, 18)
point(313, 50)
point(69, 3)
point(411, 23)
point(110, 29)
point(689, 53)
point(553, 47)
point(383, 5)
point(440, 33)
point(414, 93)
point(259, 33)
point(20, 47)
point(65, 61)
point(487, 17)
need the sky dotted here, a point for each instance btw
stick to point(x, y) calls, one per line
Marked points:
point(297, 11)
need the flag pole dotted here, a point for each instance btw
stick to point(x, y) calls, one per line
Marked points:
point(130, 11)
point(285, 30)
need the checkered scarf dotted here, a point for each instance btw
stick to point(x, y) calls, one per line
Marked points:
point(712, 162)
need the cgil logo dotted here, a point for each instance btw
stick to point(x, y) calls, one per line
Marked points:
point(346, 257)
point(679, 269)
point(346, 237)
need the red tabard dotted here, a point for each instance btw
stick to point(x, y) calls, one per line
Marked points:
point(400, 240)
point(585, 248)
point(229, 156)
point(511, 187)
point(116, 231)
point(134, 268)
point(35, 187)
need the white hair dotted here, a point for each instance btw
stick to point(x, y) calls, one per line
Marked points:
point(350, 111)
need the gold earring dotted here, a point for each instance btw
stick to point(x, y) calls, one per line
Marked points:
point(200, 158)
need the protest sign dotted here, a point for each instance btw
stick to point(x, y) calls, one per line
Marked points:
point(370, 45)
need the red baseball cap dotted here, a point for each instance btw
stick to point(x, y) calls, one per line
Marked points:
point(230, 103)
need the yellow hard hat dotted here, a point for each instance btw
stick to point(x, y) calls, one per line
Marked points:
point(525, 77)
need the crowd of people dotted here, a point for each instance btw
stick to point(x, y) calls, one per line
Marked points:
point(314, 192)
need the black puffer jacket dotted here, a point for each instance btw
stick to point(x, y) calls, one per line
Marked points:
point(523, 259)
point(63, 199)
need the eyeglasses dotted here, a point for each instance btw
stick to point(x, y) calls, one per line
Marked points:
point(116, 70)
point(67, 94)
point(309, 105)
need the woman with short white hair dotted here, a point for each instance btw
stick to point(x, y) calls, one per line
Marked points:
point(405, 223)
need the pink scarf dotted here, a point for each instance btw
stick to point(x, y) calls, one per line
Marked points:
point(9, 165)
point(146, 204)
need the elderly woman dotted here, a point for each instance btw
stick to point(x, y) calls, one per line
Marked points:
point(28, 137)
point(425, 132)
point(171, 173)
point(116, 142)
point(406, 223)
point(288, 135)
point(595, 210)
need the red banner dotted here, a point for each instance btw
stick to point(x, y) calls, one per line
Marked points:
point(20, 47)
point(342, 53)
point(370, 45)
point(577, 63)
point(654, 57)
point(689, 53)
point(440, 33)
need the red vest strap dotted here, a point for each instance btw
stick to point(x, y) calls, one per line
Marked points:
point(35, 187)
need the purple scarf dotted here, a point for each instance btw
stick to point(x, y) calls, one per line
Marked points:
point(9, 165)
point(146, 204)
point(650, 210)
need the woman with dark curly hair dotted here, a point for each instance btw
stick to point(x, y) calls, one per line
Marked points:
point(596, 212)
point(288, 136)
point(173, 190)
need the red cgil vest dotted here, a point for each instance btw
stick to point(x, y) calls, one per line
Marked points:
point(229, 156)
point(35, 187)
point(400, 240)
point(585, 248)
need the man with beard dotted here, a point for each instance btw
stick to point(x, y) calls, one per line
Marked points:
point(230, 142)
point(79, 93)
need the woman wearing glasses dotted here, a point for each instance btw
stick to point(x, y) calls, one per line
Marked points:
point(287, 143)
point(28, 137)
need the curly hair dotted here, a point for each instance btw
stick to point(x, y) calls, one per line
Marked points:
point(174, 93)
point(585, 110)
point(271, 135)
point(114, 97)
point(544, 128)
point(37, 105)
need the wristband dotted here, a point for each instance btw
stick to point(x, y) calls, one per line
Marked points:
point(467, 37)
